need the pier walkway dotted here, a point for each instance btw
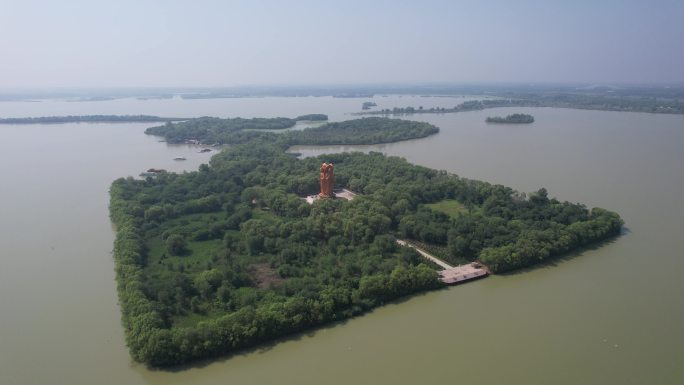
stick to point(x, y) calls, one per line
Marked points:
point(451, 274)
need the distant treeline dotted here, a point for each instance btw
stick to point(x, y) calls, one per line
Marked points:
point(601, 93)
point(215, 130)
point(607, 102)
point(514, 118)
point(238, 123)
point(362, 131)
point(372, 130)
point(312, 117)
point(88, 119)
point(471, 105)
point(576, 101)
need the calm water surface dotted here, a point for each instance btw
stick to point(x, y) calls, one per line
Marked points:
point(610, 315)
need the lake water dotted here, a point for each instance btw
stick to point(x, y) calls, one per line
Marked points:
point(608, 315)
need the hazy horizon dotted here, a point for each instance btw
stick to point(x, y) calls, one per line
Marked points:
point(212, 44)
point(356, 86)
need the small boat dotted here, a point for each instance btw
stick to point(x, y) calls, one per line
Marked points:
point(179, 158)
point(205, 150)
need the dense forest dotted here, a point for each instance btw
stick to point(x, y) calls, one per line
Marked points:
point(210, 130)
point(371, 130)
point(511, 119)
point(312, 117)
point(231, 255)
point(361, 131)
point(88, 119)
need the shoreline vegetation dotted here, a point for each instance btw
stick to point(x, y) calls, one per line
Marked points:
point(580, 102)
point(370, 130)
point(511, 119)
point(668, 99)
point(89, 119)
point(147, 119)
point(230, 255)
point(312, 118)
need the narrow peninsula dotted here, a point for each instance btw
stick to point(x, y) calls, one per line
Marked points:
point(574, 101)
point(89, 119)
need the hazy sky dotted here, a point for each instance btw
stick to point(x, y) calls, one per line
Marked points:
point(225, 43)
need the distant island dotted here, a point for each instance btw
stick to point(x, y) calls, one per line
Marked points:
point(368, 105)
point(511, 119)
point(312, 117)
point(373, 130)
point(471, 105)
point(89, 119)
point(353, 95)
point(232, 255)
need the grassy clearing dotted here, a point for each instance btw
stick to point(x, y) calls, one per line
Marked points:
point(450, 207)
point(192, 319)
point(196, 259)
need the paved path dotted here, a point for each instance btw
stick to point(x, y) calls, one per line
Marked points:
point(451, 274)
point(431, 257)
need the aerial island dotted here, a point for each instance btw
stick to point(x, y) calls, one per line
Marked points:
point(233, 254)
point(511, 119)
point(312, 117)
point(371, 130)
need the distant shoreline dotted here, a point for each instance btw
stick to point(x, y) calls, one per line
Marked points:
point(579, 102)
point(89, 119)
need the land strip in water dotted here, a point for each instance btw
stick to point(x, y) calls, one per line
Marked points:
point(89, 119)
point(567, 100)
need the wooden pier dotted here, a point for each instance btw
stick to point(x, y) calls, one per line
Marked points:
point(452, 275)
point(463, 273)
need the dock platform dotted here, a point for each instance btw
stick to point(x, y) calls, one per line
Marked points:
point(452, 275)
point(463, 273)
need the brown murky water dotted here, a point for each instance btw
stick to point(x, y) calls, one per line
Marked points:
point(609, 315)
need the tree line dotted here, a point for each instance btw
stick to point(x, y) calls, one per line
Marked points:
point(88, 119)
point(511, 119)
point(210, 130)
point(582, 101)
point(312, 117)
point(370, 130)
